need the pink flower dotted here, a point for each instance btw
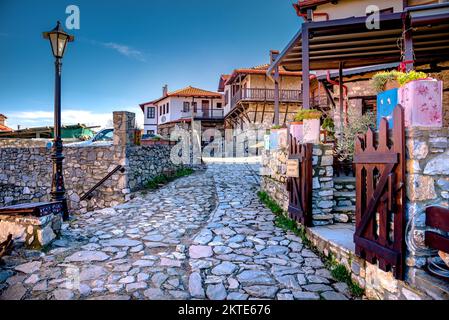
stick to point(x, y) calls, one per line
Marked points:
point(422, 90)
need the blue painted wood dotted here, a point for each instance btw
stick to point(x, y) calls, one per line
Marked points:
point(386, 102)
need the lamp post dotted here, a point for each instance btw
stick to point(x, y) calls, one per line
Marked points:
point(58, 40)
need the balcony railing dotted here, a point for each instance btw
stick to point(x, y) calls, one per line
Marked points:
point(203, 114)
point(255, 94)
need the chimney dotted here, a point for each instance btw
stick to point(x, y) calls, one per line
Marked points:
point(273, 55)
point(165, 90)
point(2, 119)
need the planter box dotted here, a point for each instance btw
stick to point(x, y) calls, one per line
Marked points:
point(386, 102)
point(311, 131)
point(278, 138)
point(423, 103)
point(297, 130)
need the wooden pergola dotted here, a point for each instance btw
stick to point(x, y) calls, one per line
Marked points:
point(418, 35)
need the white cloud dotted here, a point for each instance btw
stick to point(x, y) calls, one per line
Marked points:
point(122, 49)
point(40, 118)
point(125, 50)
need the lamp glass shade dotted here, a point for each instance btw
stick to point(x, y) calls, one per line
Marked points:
point(58, 43)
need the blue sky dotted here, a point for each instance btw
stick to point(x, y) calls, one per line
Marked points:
point(126, 50)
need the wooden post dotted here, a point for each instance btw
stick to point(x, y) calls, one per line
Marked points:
point(305, 68)
point(273, 56)
point(340, 96)
point(408, 58)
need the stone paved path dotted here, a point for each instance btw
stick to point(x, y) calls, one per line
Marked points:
point(205, 236)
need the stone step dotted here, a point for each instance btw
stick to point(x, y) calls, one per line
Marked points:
point(344, 179)
point(344, 209)
point(345, 194)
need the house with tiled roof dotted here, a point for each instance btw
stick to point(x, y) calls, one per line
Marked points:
point(180, 107)
point(3, 127)
point(249, 95)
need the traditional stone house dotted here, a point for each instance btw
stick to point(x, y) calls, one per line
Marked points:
point(3, 127)
point(178, 109)
point(249, 96)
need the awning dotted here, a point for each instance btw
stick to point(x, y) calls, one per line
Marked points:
point(351, 42)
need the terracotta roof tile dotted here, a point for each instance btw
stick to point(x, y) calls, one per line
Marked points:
point(261, 69)
point(5, 129)
point(186, 92)
point(193, 92)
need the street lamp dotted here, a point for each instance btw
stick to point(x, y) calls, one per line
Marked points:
point(58, 41)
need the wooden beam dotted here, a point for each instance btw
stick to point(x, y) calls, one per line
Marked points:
point(263, 113)
point(341, 98)
point(305, 67)
point(255, 113)
point(286, 113)
point(409, 57)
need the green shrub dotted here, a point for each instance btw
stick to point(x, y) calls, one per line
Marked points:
point(306, 114)
point(380, 79)
point(162, 179)
point(404, 78)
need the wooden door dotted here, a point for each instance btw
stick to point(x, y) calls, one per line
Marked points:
point(205, 107)
point(300, 188)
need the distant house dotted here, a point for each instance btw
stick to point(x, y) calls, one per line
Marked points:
point(67, 132)
point(178, 108)
point(3, 127)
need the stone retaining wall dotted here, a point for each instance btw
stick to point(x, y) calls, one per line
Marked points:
point(26, 169)
point(273, 182)
point(147, 162)
point(322, 184)
point(344, 199)
point(273, 175)
point(427, 185)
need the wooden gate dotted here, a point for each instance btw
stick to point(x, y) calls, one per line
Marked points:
point(300, 188)
point(380, 195)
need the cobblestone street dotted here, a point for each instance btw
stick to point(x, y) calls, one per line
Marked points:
point(205, 236)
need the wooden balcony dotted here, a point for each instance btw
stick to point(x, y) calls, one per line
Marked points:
point(265, 95)
point(203, 114)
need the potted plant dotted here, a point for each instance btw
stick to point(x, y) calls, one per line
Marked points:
point(386, 85)
point(311, 127)
point(422, 99)
point(385, 80)
point(328, 127)
point(296, 128)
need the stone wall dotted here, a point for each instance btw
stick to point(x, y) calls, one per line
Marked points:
point(147, 162)
point(25, 176)
point(322, 184)
point(427, 185)
point(344, 199)
point(26, 169)
point(24, 143)
point(273, 176)
point(377, 283)
point(325, 198)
